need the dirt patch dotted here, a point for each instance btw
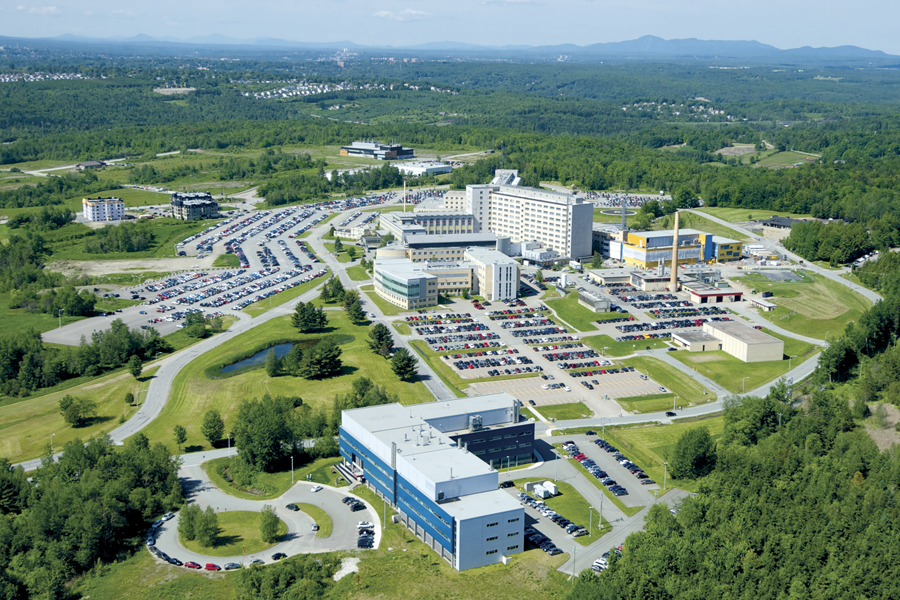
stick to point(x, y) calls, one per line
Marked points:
point(704, 358)
point(886, 436)
point(71, 268)
point(171, 91)
point(736, 150)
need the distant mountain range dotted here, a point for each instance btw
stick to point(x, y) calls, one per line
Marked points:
point(646, 47)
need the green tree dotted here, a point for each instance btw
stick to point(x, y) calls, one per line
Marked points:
point(129, 398)
point(350, 296)
point(263, 431)
point(694, 455)
point(465, 294)
point(596, 261)
point(76, 411)
point(539, 276)
point(380, 339)
point(273, 363)
point(188, 521)
point(321, 361)
point(351, 252)
point(213, 427)
point(308, 318)
point(180, 435)
point(404, 365)
point(195, 325)
point(355, 313)
point(338, 245)
point(268, 525)
point(135, 366)
point(207, 528)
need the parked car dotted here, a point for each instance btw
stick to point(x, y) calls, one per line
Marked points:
point(279, 556)
point(316, 488)
point(212, 567)
point(293, 507)
point(192, 565)
point(232, 566)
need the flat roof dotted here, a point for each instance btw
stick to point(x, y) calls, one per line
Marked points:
point(481, 505)
point(489, 255)
point(741, 332)
point(402, 268)
point(611, 272)
point(762, 302)
point(711, 291)
point(694, 336)
point(461, 239)
point(651, 275)
point(666, 233)
point(723, 240)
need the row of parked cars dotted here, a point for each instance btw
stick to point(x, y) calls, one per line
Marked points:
point(353, 504)
point(707, 311)
point(503, 361)
point(527, 333)
point(659, 305)
point(591, 467)
point(462, 337)
point(623, 460)
point(673, 324)
point(554, 517)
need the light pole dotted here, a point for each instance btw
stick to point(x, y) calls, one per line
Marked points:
point(791, 361)
point(665, 474)
point(742, 383)
point(60, 312)
point(51, 443)
point(157, 355)
point(556, 462)
point(139, 396)
point(591, 525)
point(229, 442)
point(292, 469)
point(674, 400)
point(574, 561)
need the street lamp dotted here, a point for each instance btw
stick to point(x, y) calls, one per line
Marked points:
point(742, 383)
point(665, 474)
point(591, 525)
point(674, 400)
point(51, 443)
point(60, 317)
point(790, 361)
point(138, 400)
point(292, 469)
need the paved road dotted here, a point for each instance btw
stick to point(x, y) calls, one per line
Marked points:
point(779, 249)
point(300, 539)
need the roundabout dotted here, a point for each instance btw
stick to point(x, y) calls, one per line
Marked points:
point(239, 540)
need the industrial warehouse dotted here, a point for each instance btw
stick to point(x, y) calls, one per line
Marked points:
point(436, 465)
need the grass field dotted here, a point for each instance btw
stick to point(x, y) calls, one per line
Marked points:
point(342, 256)
point(600, 217)
point(271, 485)
point(811, 306)
point(193, 394)
point(321, 518)
point(739, 215)
point(600, 343)
point(230, 261)
point(18, 319)
point(357, 273)
point(448, 373)
point(780, 160)
point(26, 424)
point(700, 223)
point(572, 506)
point(388, 309)
point(258, 308)
point(649, 403)
point(565, 412)
point(729, 372)
point(402, 328)
point(648, 446)
point(238, 534)
point(403, 568)
point(682, 385)
point(573, 313)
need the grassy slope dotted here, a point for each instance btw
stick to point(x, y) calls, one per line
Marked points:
point(193, 394)
point(671, 378)
point(738, 215)
point(258, 308)
point(572, 505)
point(26, 424)
point(357, 273)
point(650, 445)
point(238, 534)
point(573, 313)
point(649, 403)
point(690, 220)
point(273, 484)
point(811, 307)
point(564, 412)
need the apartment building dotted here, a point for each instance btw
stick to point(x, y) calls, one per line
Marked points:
point(193, 205)
point(102, 209)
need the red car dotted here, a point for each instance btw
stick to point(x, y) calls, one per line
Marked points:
point(212, 567)
point(191, 565)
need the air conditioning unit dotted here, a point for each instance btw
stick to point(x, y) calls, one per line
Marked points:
point(475, 423)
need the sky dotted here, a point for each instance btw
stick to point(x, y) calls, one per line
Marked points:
point(782, 23)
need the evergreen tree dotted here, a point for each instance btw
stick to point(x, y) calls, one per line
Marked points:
point(351, 252)
point(338, 245)
point(404, 365)
point(596, 261)
point(356, 314)
point(307, 318)
point(694, 455)
point(380, 340)
point(539, 276)
point(322, 360)
point(350, 296)
point(213, 427)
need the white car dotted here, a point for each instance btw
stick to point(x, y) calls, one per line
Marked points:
point(567, 388)
point(545, 386)
point(364, 525)
point(316, 488)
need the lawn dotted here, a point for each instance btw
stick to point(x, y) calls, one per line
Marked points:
point(342, 256)
point(648, 446)
point(572, 506)
point(258, 308)
point(573, 313)
point(607, 346)
point(566, 412)
point(448, 373)
point(687, 389)
point(321, 518)
point(403, 568)
point(193, 394)
point(646, 404)
point(402, 328)
point(271, 485)
point(780, 160)
point(26, 424)
point(812, 306)
point(230, 261)
point(238, 534)
point(696, 221)
point(386, 307)
point(729, 372)
point(18, 319)
point(357, 273)
point(739, 215)
point(141, 576)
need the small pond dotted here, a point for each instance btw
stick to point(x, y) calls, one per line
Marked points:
point(259, 358)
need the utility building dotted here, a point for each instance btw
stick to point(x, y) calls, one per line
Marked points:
point(378, 151)
point(435, 463)
point(745, 343)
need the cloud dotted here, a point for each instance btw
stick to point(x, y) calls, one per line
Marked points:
point(407, 14)
point(38, 10)
point(511, 3)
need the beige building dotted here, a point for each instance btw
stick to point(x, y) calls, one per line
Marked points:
point(745, 343)
point(102, 209)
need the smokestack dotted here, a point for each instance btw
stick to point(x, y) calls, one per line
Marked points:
point(673, 283)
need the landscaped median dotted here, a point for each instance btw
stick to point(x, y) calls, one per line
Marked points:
point(321, 518)
point(258, 308)
point(565, 412)
point(267, 486)
point(238, 534)
point(628, 510)
point(648, 403)
point(572, 506)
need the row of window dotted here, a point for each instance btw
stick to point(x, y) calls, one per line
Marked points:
point(508, 548)
point(437, 516)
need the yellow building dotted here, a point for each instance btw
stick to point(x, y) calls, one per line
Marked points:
point(649, 249)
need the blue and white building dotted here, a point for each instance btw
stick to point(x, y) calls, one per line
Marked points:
point(422, 460)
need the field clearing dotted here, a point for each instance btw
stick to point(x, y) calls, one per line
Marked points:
point(729, 371)
point(648, 446)
point(741, 215)
point(696, 221)
point(573, 313)
point(681, 384)
point(814, 306)
point(18, 319)
point(272, 485)
point(737, 150)
point(607, 346)
point(238, 534)
point(26, 424)
point(565, 412)
point(193, 394)
point(781, 160)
